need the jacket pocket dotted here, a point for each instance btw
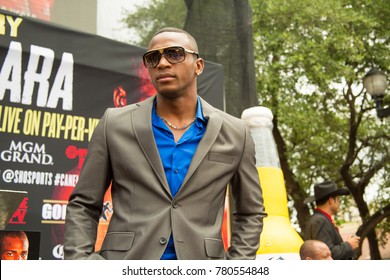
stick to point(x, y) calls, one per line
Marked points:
point(118, 241)
point(221, 158)
point(214, 248)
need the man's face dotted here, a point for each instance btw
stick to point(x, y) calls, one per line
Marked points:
point(174, 80)
point(14, 248)
point(335, 205)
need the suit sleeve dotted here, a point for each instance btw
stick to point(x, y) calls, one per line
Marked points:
point(85, 202)
point(249, 212)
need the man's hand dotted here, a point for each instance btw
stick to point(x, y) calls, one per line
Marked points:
point(353, 240)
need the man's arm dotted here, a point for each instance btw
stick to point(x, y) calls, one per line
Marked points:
point(249, 212)
point(86, 201)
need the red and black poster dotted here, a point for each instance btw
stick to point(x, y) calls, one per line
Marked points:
point(55, 84)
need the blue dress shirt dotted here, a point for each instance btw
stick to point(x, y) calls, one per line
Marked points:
point(176, 156)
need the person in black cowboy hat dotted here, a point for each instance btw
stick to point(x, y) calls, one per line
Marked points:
point(320, 226)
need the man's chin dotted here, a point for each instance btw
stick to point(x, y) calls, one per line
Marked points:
point(169, 94)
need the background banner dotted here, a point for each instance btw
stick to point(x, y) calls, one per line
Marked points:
point(55, 84)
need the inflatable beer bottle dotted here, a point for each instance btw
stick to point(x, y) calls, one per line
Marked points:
point(279, 240)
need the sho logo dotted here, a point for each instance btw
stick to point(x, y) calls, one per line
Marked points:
point(27, 152)
point(58, 251)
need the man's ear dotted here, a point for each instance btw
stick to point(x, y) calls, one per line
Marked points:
point(199, 66)
point(332, 200)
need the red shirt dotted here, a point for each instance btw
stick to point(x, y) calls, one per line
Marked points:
point(328, 216)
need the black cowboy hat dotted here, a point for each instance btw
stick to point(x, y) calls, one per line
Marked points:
point(324, 190)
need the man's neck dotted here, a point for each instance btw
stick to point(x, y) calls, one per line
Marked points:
point(324, 210)
point(178, 109)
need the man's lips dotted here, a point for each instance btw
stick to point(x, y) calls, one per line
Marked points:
point(164, 76)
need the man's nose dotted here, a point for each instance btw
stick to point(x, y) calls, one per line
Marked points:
point(163, 61)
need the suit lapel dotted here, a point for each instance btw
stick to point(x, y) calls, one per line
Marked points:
point(142, 122)
point(214, 124)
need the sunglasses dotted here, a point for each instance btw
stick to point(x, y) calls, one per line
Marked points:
point(172, 54)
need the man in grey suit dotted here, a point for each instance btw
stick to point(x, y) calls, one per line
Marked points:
point(169, 159)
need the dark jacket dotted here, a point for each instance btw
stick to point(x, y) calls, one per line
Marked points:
point(319, 227)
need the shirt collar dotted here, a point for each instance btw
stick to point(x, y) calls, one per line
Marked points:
point(326, 214)
point(199, 112)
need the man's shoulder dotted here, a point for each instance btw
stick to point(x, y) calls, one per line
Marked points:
point(318, 217)
point(130, 107)
point(210, 111)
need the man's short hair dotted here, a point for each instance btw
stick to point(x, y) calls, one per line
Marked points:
point(16, 234)
point(178, 30)
point(309, 248)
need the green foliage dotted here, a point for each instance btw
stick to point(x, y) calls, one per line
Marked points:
point(157, 14)
point(311, 57)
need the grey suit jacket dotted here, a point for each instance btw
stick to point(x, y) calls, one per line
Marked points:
point(123, 151)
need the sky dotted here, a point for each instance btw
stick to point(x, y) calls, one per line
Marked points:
point(110, 14)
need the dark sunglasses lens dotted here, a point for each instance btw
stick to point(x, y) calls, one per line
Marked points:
point(174, 55)
point(151, 59)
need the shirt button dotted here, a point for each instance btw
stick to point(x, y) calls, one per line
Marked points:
point(163, 241)
point(176, 171)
